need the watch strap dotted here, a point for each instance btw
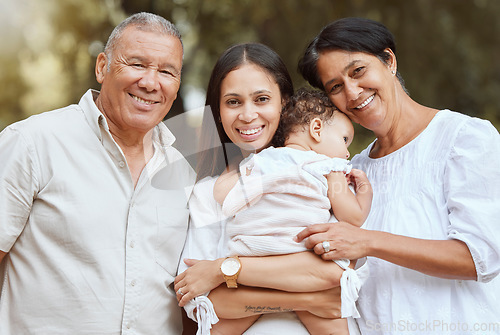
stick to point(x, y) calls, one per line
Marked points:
point(231, 281)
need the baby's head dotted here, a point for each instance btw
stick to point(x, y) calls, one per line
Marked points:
point(311, 120)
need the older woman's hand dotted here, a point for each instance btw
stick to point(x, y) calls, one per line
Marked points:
point(345, 240)
point(201, 277)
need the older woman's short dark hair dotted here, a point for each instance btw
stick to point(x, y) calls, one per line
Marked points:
point(353, 34)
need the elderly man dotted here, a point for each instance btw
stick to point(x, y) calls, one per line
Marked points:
point(90, 239)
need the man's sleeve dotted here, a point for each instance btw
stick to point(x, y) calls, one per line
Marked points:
point(17, 185)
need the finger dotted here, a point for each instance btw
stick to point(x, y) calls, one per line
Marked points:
point(182, 291)
point(316, 239)
point(318, 249)
point(179, 285)
point(176, 288)
point(184, 299)
point(190, 261)
point(311, 230)
point(187, 295)
point(356, 172)
point(179, 278)
point(179, 294)
point(329, 256)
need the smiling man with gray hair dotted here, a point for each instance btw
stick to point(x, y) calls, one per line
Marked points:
point(90, 240)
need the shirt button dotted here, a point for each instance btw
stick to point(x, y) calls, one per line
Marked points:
point(128, 325)
point(121, 164)
point(133, 282)
point(132, 244)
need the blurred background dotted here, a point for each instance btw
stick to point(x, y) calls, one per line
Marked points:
point(448, 51)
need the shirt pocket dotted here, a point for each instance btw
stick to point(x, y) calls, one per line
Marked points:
point(171, 236)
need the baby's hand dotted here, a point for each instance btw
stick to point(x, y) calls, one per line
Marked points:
point(359, 181)
point(202, 277)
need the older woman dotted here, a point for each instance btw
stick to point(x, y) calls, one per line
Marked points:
point(432, 234)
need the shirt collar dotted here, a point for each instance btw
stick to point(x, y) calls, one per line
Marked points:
point(93, 115)
point(161, 135)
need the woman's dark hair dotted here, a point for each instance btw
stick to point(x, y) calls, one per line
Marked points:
point(216, 150)
point(301, 109)
point(353, 34)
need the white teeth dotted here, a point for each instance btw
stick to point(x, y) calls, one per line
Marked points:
point(147, 102)
point(367, 101)
point(250, 131)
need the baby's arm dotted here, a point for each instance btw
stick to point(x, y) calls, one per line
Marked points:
point(224, 184)
point(346, 205)
point(320, 326)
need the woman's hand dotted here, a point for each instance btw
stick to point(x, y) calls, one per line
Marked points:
point(449, 259)
point(201, 277)
point(346, 241)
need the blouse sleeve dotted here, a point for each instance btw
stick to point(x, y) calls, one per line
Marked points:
point(472, 191)
point(18, 185)
point(204, 242)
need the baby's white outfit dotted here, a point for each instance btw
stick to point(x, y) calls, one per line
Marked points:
point(279, 193)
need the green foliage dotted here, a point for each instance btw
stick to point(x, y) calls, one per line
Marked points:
point(447, 50)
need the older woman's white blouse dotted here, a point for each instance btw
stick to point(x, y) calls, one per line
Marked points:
point(445, 184)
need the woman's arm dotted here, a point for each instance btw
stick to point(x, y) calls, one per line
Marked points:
point(471, 187)
point(449, 259)
point(347, 206)
point(247, 301)
point(300, 272)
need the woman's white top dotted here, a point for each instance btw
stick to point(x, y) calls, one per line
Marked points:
point(445, 184)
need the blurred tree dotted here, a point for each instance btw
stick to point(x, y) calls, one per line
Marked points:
point(52, 61)
point(11, 84)
point(446, 57)
point(447, 50)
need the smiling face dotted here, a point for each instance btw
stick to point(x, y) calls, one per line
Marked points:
point(142, 81)
point(360, 85)
point(250, 107)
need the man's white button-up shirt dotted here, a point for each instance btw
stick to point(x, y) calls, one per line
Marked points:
point(87, 252)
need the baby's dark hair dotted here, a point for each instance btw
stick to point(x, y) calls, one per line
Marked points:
point(301, 109)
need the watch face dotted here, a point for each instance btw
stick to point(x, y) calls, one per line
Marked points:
point(230, 267)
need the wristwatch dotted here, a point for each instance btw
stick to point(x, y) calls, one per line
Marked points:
point(230, 269)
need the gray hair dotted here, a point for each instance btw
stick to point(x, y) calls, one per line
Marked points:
point(145, 22)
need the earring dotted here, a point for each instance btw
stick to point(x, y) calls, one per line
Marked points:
point(393, 72)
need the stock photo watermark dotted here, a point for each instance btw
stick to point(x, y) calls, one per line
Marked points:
point(437, 326)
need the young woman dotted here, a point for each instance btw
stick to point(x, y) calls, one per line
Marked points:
point(246, 93)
